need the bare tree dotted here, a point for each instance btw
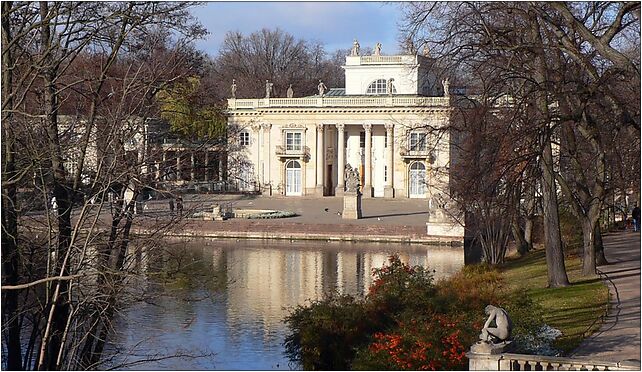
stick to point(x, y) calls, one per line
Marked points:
point(106, 62)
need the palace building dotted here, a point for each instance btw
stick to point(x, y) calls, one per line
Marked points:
point(385, 123)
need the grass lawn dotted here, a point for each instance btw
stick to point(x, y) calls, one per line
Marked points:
point(575, 310)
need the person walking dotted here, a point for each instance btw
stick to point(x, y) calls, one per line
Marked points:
point(54, 205)
point(179, 206)
point(636, 217)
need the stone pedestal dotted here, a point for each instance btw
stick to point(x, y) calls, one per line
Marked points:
point(485, 356)
point(441, 225)
point(388, 192)
point(351, 205)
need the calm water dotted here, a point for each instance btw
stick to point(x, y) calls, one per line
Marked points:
point(225, 300)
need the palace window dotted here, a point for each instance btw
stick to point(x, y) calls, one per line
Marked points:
point(293, 141)
point(362, 139)
point(379, 87)
point(418, 141)
point(244, 139)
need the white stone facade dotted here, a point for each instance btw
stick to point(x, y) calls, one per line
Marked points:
point(300, 146)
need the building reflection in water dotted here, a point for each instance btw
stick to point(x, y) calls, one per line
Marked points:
point(235, 295)
point(265, 280)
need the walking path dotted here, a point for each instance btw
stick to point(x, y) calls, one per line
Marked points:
point(618, 340)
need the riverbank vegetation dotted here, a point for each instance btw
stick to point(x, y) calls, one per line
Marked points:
point(408, 321)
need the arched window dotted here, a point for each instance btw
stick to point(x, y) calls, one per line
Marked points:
point(379, 87)
point(293, 164)
point(417, 166)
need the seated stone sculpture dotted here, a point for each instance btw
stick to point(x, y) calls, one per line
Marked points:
point(503, 325)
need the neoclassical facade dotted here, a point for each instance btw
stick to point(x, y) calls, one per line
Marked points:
point(385, 123)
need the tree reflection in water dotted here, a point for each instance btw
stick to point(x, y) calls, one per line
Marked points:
point(224, 301)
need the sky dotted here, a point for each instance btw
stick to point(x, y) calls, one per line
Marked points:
point(334, 24)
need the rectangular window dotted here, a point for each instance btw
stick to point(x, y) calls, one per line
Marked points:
point(385, 173)
point(244, 139)
point(293, 141)
point(385, 142)
point(418, 141)
point(362, 140)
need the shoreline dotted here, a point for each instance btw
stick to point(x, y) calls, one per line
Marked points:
point(264, 230)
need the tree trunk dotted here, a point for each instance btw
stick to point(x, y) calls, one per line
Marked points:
point(522, 244)
point(58, 307)
point(600, 259)
point(10, 254)
point(588, 256)
point(557, 276)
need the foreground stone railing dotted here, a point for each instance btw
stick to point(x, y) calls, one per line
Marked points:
point(346, 101)
point(522, 362)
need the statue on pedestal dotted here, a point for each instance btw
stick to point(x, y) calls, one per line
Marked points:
point(494, 340)
point(352, 179)
point(446, 85)
point(377, 50)
point(268, 88)
point(355, 48)
point(503, 325)
point(233, 88)
point(321, 88)
point(352, 195)
point(290, 92)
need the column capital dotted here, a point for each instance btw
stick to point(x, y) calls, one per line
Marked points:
point(255, 127)
point(340, 127)
point(367, 127)
point(320, 127)
point(266, 126)
point(389, 126)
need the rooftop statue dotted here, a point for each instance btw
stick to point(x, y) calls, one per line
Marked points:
point(377, 50)
point(268, 88)
point(503, 325)
point(290, 92)
point(446, 84)
point(355, 48)
point(426, 51)
point(233, 87)
point(322, 88)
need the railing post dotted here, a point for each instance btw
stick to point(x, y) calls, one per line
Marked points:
point(485, 356)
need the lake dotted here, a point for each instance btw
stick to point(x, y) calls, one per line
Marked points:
point(220, 304)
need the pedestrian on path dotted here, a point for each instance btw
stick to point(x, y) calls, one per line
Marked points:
point(179, 205)
point(54, 205)
point(636, 217)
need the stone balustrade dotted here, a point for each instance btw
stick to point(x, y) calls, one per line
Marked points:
point(345, 101)
point(522, 362)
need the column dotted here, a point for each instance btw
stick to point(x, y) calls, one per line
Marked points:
point(158, 171)
point(178, 165)
point(266, 157)
point(388, 188)
point(192, 174)
point(320, 164)
point(207, 166)
point(367, 187)
point(341, 166)
point(164, 163)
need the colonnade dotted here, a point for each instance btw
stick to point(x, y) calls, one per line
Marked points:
point(179, 168)
point(367, 188)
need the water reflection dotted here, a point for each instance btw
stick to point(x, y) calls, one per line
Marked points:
point(232, 296)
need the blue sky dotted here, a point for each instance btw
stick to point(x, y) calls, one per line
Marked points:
point(335, 24)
